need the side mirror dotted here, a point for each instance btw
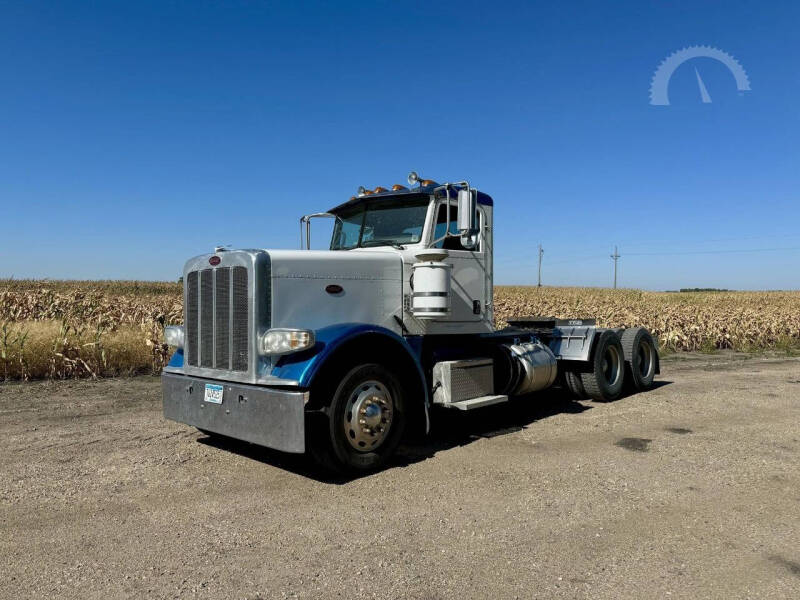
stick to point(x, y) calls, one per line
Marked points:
point(468, 216)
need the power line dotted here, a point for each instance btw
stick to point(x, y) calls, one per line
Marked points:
point(587, 257)
point(733, 251)
point(652, 241)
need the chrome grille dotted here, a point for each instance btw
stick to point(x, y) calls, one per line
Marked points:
point(218, 319)
point(191, 319)
point(222, 316)
point(206, 318)
point(240, 320)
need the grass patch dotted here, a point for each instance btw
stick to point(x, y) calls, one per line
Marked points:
point(53, 350)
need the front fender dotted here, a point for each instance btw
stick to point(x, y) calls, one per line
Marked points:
point(303, 366)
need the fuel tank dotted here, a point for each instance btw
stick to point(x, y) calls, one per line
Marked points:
point(524, 368)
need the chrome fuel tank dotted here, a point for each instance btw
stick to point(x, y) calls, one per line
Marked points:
point(532, 367)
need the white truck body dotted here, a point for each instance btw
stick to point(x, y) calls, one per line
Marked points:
point(273, 338)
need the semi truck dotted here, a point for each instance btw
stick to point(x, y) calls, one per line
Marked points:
point(342, 352)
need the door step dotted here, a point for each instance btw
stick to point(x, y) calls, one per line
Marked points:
point(479, 402)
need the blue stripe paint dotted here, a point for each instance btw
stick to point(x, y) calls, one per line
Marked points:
point(484, 199)
point(303, 366)
point(177, 359)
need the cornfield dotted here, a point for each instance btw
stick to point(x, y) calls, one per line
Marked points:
point(95, 329)
point(85, 329)
point(692, 321)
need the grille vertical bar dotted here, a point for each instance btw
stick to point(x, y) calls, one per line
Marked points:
point(191, 319)
point(241, 325)
point(222, 318)
point(206, 318)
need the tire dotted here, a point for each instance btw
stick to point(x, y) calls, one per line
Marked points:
point(641, 358)
point(575, 385)
point(605, 381)
point(344, 443)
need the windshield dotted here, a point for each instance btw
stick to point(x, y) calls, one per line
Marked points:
point(380, 222)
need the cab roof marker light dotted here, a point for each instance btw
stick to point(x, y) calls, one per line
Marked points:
point(398, 188)
point(380, 189)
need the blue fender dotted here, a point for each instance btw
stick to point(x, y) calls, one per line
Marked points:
point(177, 359)
point(304, 366)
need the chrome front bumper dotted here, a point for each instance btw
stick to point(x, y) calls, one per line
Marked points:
point(265, 416)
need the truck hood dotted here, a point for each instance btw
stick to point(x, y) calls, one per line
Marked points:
point(312, 289)
point(327, 264)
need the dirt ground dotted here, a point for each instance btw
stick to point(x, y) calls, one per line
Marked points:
point(691, 490)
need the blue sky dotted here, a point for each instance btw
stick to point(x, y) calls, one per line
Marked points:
point(135, 135)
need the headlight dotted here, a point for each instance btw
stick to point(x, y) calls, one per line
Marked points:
point(173, 335)
point(283, 341)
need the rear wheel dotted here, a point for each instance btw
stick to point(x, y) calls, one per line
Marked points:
point(605, 381)
point(365, 423)
point(641, 357)
point(575, 385)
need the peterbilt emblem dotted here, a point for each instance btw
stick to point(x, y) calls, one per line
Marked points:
point(334, 289)
point(214, 261)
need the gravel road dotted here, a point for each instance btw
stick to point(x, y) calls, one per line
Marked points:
point(691, 490)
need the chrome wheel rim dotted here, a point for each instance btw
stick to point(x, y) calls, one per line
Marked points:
point(368, 416)
point(612, 366)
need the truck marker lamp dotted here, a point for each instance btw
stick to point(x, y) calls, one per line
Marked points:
point(173, 335)
point(284, 341)
point(380, 190)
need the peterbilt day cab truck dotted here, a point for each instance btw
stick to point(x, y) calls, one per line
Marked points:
point(344, 351)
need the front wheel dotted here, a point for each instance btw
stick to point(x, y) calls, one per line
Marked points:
point(366, 420)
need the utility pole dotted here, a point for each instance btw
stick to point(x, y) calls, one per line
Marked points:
point(616, 257)
point(540, 265)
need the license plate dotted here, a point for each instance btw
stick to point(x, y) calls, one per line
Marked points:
point(213, 393)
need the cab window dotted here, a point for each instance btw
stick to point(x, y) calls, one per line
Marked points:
point(449, 243)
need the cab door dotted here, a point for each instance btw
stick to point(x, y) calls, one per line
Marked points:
point(468, 282)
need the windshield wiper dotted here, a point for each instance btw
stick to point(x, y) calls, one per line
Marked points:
point(372, 243)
